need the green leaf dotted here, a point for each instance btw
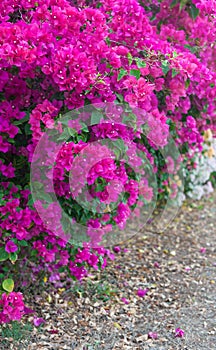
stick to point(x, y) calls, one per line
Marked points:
point(194, 11)
point(174, 3)
point(96, 116)
point(175, 54)
point(61, 269)
point(205, 108)
point(30, 202)
point(87, 92)
point(58, 95)
point(13, 257)
point(129, 119)
point(27, 129)
point(130, 58)
point(174, 72)
point(2, 98)
point(64, 135)
point(3, 254)
point(8, 285)
point(34, 252)
point(23, 243)
point(108, 41)
point(182, 4)
point(2, 201)
point(101, 260)
point(84, 127)
point(153, 17)
point(117, 153)
point(135, 73)
point(99, 5)
point(140, 63)
point(120, 145)
point(121, 74)
point(120, 97)
point(45, 196)
point(37, 185)
point(109, 66)
point(63, 122)
point(72, 132)
point(191, 48)
point(165, 67)
point(23, 120)
point(187, 83)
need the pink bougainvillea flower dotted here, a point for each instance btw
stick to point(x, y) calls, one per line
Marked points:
point(117, 249)
point(153, 335)
point(142, 292)
point(202, 250)
point(118, 267)
point(11, 306)
point(156, 264)
point(38, 321)
point(126, 301)
point(11, 247)
point(187, 268)
point(53, 331)
point(179, 332)
point(28, 311)
point(143, 89)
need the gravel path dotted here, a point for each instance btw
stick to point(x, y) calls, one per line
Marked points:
point(181, 280)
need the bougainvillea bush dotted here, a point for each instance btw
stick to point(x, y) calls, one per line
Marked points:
point(120, 56)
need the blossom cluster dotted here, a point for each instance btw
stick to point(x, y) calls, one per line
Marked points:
point(11, 307)
point(150, 64)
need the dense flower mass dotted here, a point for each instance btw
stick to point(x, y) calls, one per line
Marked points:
point(12, 307)
point(148, 68)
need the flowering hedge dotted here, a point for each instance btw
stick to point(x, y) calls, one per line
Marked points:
point(123, 57)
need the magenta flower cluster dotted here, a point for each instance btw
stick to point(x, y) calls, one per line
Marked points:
point(157, 59)
point(11, 307)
